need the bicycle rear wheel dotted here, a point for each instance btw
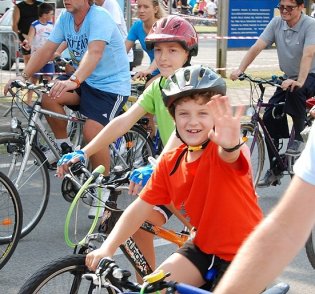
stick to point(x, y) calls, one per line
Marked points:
point(34, 184)
point(11, 217)
point(61, 276)
point(132, 150)
point(255, 142)
point(310, 248)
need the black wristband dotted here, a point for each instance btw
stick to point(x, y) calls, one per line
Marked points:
point(233, 148)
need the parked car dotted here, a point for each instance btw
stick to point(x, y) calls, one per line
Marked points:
point(7, 41)
point(5, 5)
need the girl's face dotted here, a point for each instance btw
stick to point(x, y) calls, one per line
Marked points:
point(146, 10)
point(193, 121)
point(169, 56)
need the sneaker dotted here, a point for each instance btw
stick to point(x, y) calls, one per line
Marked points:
point(270, 179)
point(92, 211)
point(295, 148)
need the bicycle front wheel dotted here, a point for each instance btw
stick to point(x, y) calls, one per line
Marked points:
point(255, 142)
point(10, 219)
point(62, 276)
point(32, 184)
point(132, 150)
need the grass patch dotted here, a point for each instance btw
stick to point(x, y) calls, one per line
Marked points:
point(205, 29)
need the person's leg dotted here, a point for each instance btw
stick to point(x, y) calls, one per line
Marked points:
point(182, 270)
point(144, 240)
point(277, 128)
point(296, 108)
point(90, 130)
point(58, 126)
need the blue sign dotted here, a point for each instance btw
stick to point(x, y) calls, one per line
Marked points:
point(247, 20)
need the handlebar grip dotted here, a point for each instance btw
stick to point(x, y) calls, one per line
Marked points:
point(18, 84)
point(99, 170)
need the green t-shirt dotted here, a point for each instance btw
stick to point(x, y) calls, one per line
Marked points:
point(151, 100)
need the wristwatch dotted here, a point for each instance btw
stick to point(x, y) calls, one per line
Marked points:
point(74, 78)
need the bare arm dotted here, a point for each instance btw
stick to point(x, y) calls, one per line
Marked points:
point(15, 19)
point(40, 58)
point(116, 128)
point(129, 45)
point(30, 36)
point(127, 225)
point(274, 243)
point(249, 58)
point(87, 65)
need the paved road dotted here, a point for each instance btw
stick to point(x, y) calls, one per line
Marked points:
point(46, 241)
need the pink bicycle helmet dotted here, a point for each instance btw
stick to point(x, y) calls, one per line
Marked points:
point(173, 29)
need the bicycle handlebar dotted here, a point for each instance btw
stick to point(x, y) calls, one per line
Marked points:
point(107, 268)
point(274, 81)
point(18, 84)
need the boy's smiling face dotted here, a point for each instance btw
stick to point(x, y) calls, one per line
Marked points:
point(193, 121)
point(169, 56)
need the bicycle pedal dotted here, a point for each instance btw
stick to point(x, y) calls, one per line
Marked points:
point(275, 183)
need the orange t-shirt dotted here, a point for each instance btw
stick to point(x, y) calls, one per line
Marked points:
point(219, 200)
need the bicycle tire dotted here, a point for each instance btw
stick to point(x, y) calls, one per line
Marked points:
point(34, 186)
point(132, 149)
point(310, 249)
point(11, 216)
point(257, 149)
point(75, 204)
point(59, 275)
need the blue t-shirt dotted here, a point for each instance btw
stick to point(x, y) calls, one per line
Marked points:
point(137, 32)
point(112, 72)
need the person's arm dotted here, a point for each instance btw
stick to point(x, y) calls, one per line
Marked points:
point(274, 242)
point(116, 128)
point(129, 45)
point(305, 66)
point(248, 58)
point(62, 47)
point(30, 37)
point(15, 19)
point(87, 65)
point(126, 226)
point(40, 58)
point(226, 133)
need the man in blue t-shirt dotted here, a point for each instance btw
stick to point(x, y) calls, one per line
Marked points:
point(100, 83)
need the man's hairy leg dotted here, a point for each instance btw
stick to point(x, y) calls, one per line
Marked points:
point(90, 130)
point(58, 126)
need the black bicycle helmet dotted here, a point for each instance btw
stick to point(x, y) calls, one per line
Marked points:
point(192, 80)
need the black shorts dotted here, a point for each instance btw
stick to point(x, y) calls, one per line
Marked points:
point(98, 105)
point(95, 104)
point(202, 262)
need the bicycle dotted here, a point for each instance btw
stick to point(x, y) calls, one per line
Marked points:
point(11, 216)
point(254, 132)
point(57, 274)
point(26, 165)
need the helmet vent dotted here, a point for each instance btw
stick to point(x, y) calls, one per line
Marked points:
point(187, 76)
point(202, 72)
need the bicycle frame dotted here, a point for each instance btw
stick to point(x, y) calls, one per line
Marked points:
point(129, 247)
point(284, 163)
point(258, 121)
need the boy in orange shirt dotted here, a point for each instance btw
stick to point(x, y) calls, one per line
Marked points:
point(208, 177)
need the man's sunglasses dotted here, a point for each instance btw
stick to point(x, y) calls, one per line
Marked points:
point(288, 8)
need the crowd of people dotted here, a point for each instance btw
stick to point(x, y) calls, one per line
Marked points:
point(199, 129)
